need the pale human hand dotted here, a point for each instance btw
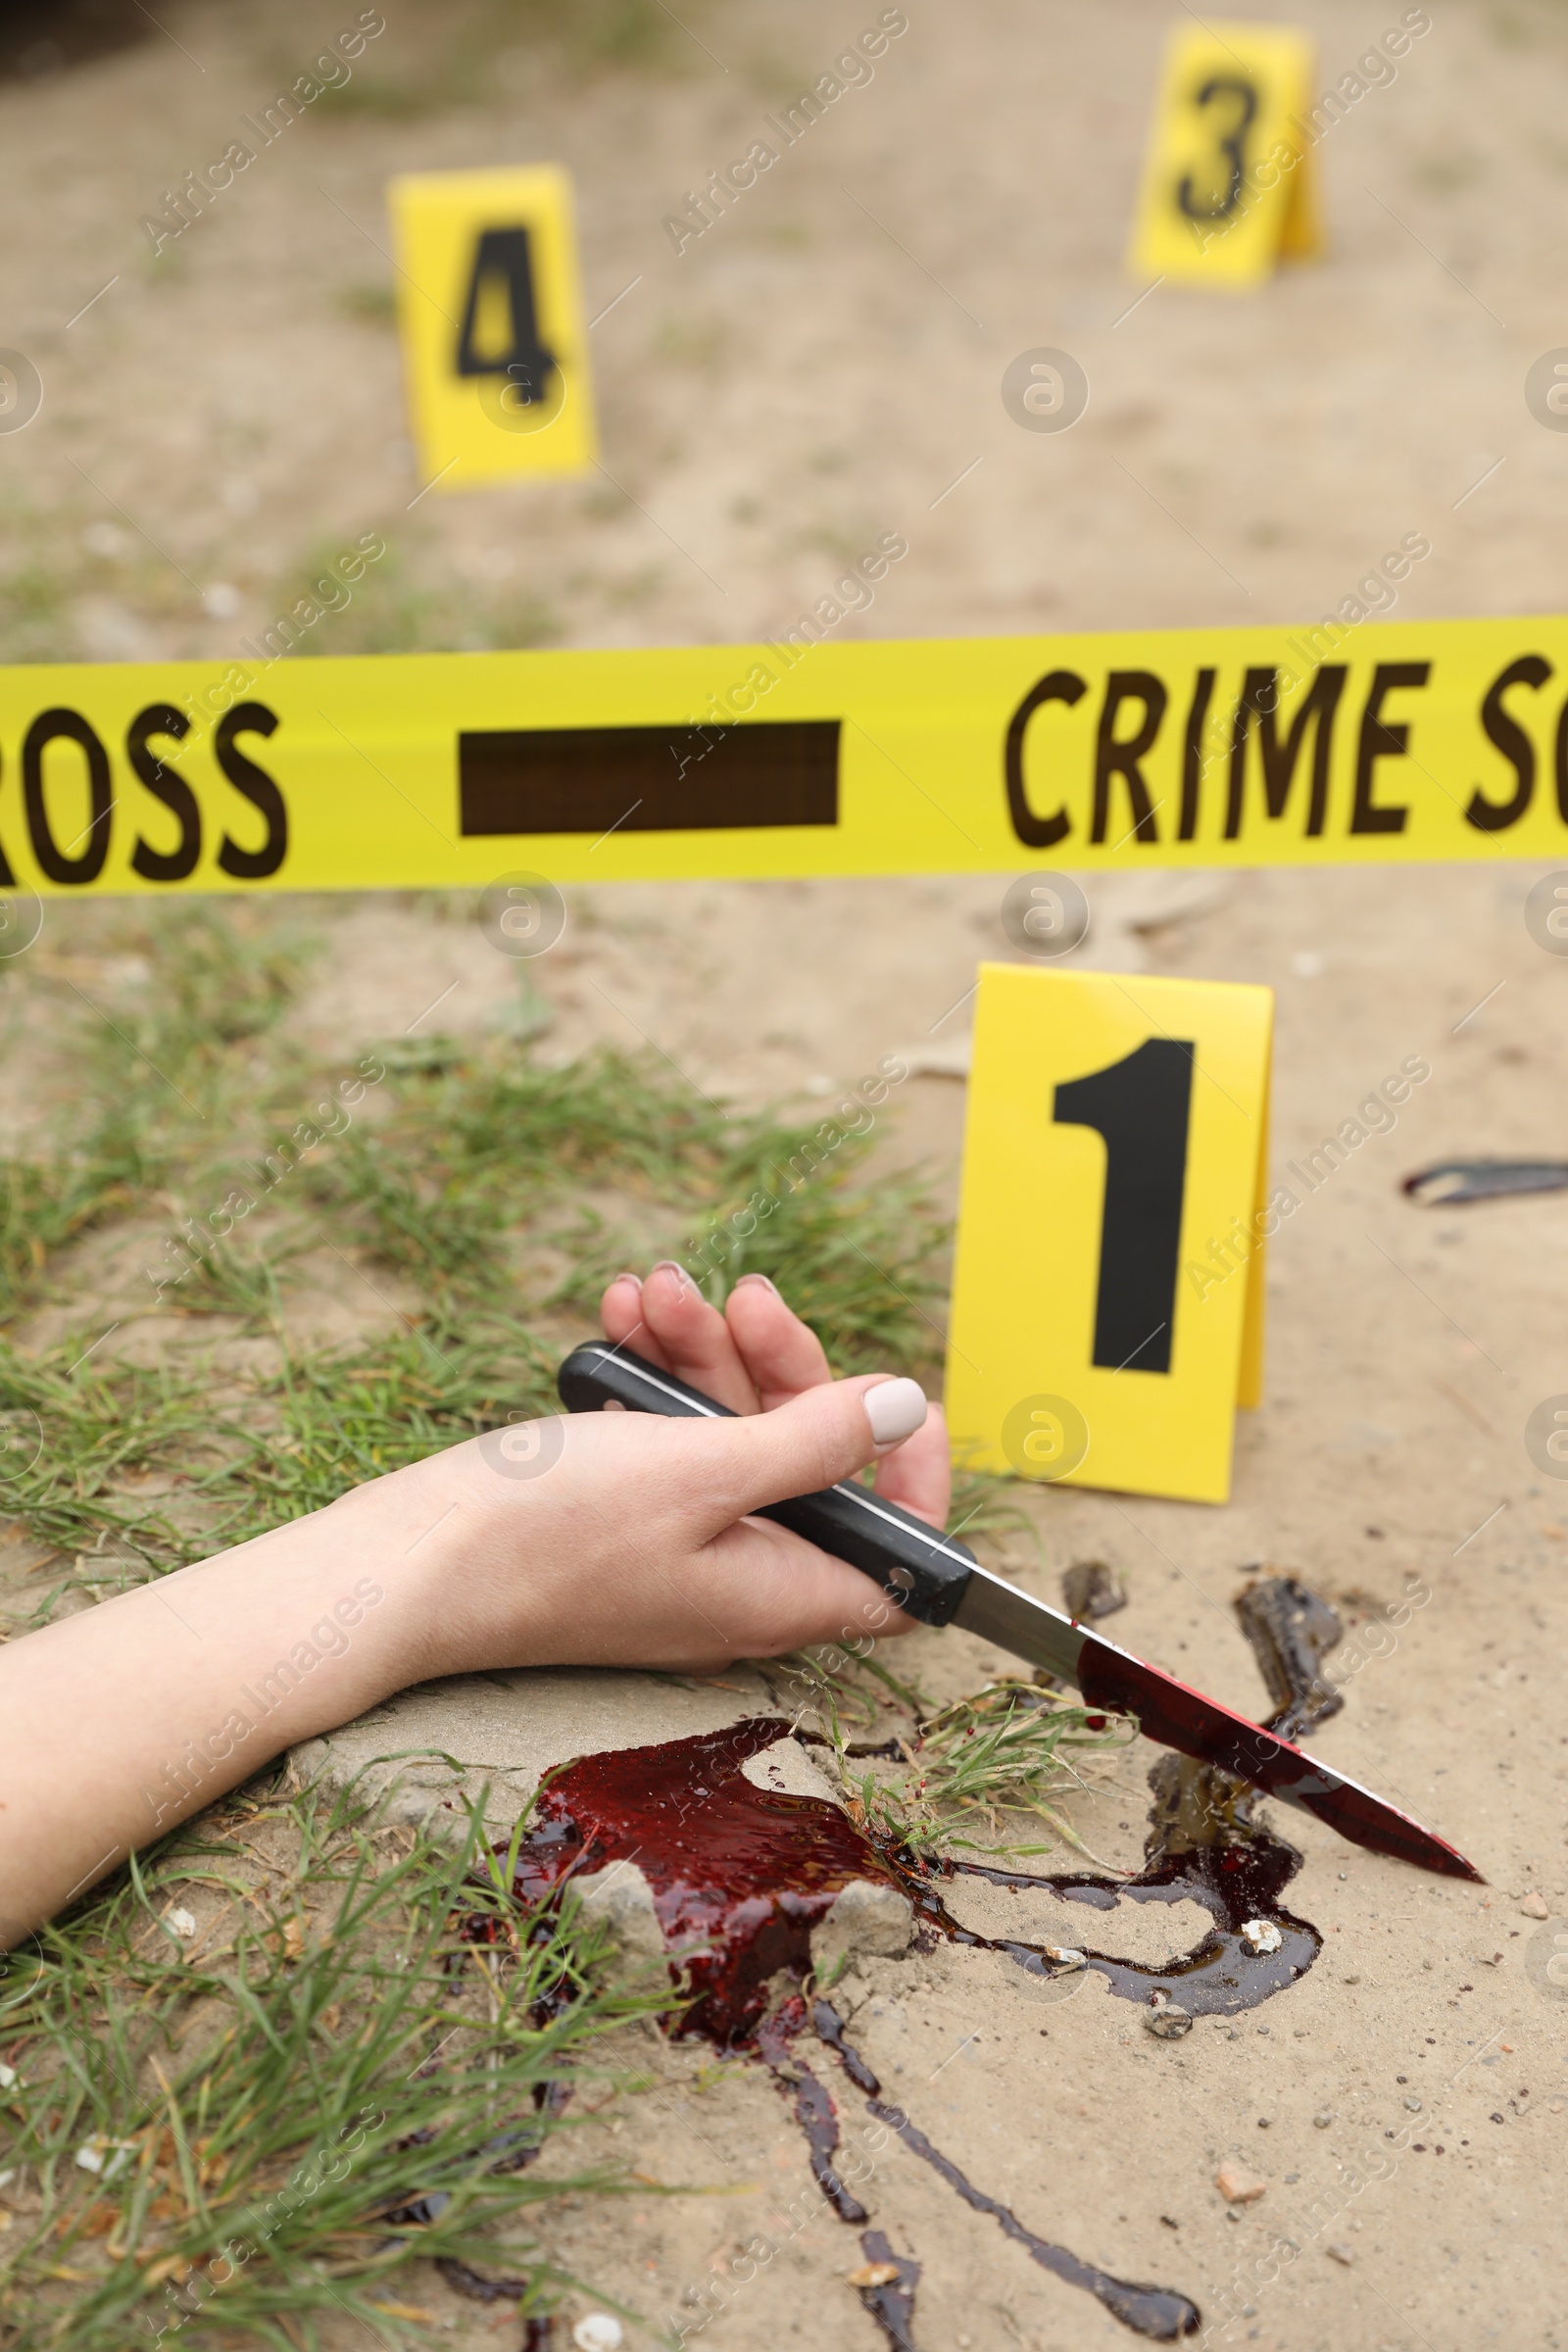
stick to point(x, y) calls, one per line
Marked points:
point(639, 1548)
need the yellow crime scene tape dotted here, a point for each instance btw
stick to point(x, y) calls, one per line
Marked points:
point(1196, 747)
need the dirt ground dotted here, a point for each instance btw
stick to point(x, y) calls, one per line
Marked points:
point(819, 368)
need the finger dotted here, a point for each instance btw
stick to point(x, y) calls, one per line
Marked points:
point(782, 1355)
point(783, 1593)
point(729, 1468)
point(621, 1311)
point(918, 1475)
point(696, 1338)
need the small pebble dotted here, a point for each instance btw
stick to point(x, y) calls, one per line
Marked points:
point(600, 2331)
point(8, 2074)
point(1340, 2252)
point(1323, 2118)
point(1063, 1956)
point(1263, 2122)
point(875, 2273)
point(1291, 2179)
point(1168, 2024)
point(182, 1924)
point(1534, 1906)
point(1414, 2106)
point(1261, 1935)
point(1237, 2185)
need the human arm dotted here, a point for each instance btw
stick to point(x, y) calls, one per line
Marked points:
point(611, 1539)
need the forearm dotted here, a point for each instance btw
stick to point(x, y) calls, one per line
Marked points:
point(118, 1723)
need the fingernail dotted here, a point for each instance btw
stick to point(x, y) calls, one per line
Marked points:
point(760, 1281)
point(668, 1265)
point(896, 1409)
point(627, 1275)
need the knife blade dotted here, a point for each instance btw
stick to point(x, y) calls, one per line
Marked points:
point(938, 1580)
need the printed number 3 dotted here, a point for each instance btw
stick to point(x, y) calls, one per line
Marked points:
point(1221, 207)
point(1140, 1106)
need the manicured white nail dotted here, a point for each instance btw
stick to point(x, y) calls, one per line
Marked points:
point(896, 1409)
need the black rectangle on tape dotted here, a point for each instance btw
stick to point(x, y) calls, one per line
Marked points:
point(649, 779)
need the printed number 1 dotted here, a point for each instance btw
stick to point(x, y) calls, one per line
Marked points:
point(1139, 1107)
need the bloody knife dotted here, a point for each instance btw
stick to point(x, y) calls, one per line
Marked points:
point(939, 1580)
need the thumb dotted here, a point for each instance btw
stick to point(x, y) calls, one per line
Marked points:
point(819, 1437)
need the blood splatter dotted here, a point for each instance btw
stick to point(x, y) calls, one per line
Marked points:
point(1152, 2311)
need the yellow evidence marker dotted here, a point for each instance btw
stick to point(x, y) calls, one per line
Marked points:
point(490, 309)
point(1229, 186)
point(1107, 1298)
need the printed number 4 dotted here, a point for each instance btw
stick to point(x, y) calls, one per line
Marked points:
point(1139, 1107)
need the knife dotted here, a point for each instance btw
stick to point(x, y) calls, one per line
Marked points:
point(938, 1580)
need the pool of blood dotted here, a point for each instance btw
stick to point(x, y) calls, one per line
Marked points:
point(739, 1876)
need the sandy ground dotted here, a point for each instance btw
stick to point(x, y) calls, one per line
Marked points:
point(802, 378)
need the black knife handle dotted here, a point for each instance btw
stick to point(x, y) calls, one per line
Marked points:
point(924, 1571)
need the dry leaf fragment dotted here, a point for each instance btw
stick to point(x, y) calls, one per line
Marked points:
point(167, 2266)
point(286, 1937)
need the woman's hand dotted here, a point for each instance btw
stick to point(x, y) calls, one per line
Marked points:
point(640, 1550)
point(754, 1355)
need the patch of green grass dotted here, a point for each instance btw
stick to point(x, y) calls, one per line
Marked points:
point(1004, 1751)
point(482, 1148)
point(514, 1124)
point(165, 1063)
point(356, 2032)
point(45, 1204)
point(577, 40)
point(403, 606)
point(347, 1416)
point(77, 1443)
point(860, 1264)
point(415, 1219)
point(76, 1446)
